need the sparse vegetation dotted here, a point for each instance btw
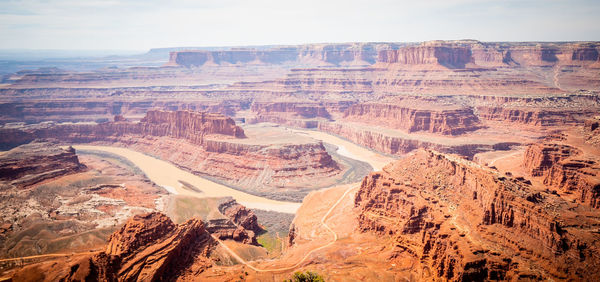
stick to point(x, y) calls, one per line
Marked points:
point(308, 276)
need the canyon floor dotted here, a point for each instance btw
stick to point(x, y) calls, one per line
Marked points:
point(442, 160)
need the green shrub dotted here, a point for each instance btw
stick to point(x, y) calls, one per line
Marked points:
point(309, 276)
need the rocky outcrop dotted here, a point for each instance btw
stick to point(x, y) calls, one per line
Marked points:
point(240, 215)
point(300, 55)
point(240, 224)
point(37, 161)
point(148, 247)
point(566, 168)
point(428, 54)
point(536, 116)
point(463, 222)
point(295, 114)
point(539, 158)
point(591, 131)
point(302, 110)
point(445, 120)
point(191, 126)
point(398, 145)
point(206, 144)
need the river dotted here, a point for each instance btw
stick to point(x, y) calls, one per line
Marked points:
point(169, 176)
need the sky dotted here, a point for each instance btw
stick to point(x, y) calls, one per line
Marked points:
point(145, 24)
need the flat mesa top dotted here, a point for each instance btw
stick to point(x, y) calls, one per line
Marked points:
point(271, 134)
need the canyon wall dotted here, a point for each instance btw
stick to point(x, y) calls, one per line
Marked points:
point(566, 168)
point(398, 145)
point(467, 222)
point(35, 162)
point(450, 57)
point(592, 131)
point(461, 53)
point(435, 119)
point(240, 224)
point(310, 54)
point(449, 54)
point(536, 116)
point(207, 144)
point(148, 247)
point(76, 109)
point(193, 127)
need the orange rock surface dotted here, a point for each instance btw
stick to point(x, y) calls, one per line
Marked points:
point(148, 247)
point(466, 222)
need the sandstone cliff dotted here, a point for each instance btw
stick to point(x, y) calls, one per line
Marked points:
point(310, 54)
point(592, 131)
point(412, 116)
point(148, 247)
point(536, 116)
point(460, 54)
point(207, 144)
point(566, 168)
point(443, 56)
point(466, 222)
point(37, 161)
point(399, 144)
point(240, 223)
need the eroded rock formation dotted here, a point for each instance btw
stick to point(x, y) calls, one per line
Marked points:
point(413, 116)
point(148, 247)
point(592, 131)
point(239, 224)
point(207, 144)
point(37, 161)
point(466, 222)
point(566, 168)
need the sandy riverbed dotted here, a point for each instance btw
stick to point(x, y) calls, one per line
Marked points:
point(169, 176)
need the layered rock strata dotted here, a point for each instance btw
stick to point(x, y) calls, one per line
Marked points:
point(592, 131)
point(536, 116)
point(148, 247)
point(240, 223)
point(207, 144)
point(399, 145)
point(35, 162)
point(466, 222)
point(566, 168)
point(446, 120)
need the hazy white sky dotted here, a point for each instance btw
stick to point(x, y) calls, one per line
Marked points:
point(144, 24)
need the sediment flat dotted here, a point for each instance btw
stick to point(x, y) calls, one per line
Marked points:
point(170, 177)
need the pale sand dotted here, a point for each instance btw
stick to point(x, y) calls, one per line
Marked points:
point(349, 149)
point(168, 176)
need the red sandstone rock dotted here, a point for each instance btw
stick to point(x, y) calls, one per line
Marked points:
point(148, 247)
point(240, 215)
point(443, 56)
point(592, 131)
point(536, 116)
point(412, 116)
point(466, 222)
point(239, 224)
point(566, 168)
point(34, 162)
point(204, 144)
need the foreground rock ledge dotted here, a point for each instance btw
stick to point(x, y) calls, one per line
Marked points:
point(148, 247)
point(462, 221)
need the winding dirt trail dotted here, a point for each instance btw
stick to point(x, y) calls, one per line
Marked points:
point(49, 256)
point(555, 77)
point(307, 255)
